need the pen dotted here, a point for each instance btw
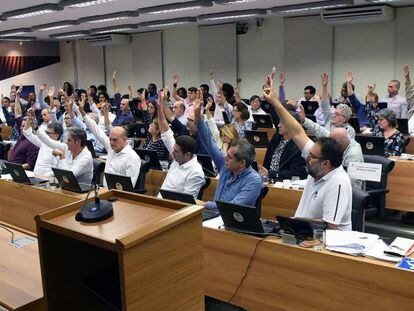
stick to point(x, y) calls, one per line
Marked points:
point(410, 251)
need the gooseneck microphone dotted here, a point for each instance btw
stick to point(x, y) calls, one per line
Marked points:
point(94, 211)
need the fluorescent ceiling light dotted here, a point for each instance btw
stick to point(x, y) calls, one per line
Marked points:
point(168, 22)
point(83, 3)
point(231, 15)
point(380, 1)
point(69, 35)
point(14, 32)
point(311, 6)
point(53, 26)
point(18, 39)
point(119, 28)
point(233, 1)
point(109, 17)
point(32, 11)
point(176, 7)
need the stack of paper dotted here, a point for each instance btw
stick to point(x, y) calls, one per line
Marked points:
point(406, 156)
point(400, 247)
point(349, 242)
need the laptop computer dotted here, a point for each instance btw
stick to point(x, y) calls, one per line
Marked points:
point(382, 105)
point(226, 118)
point(312, 118)
point(403, 126)
point(299, 227)
point(119, 182)
point(371, 145)
point(244, 219)
point(141, 130)
point(206, 164)
point(265, 105)
point(263, 120)
point(18, 174)
point(310, 106)
point(258, 139)
point(186, 198)
point(151, 156)
point(354, 122)
point(68, 181)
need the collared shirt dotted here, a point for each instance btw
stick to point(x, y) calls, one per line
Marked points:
point(329, 198)
point(123, 118)
point(327, 113)
point(45, 159)
point(397, 103)
point(186, 178)
point(81, 166)
point(125, 163)
point(89, 135)
point(243, 188)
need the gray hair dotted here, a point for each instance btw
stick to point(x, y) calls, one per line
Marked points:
point(346, 111)
point(388, 115)
point(57, 128)
point(397, 83)
point(246, 151)
point(78, 134)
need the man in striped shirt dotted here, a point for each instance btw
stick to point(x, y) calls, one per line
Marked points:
point(328, 192)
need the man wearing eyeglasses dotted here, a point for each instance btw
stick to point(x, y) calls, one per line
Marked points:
point(328, 192)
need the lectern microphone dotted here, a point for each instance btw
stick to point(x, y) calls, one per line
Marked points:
point(94, 211)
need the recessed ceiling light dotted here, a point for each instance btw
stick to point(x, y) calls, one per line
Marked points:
point(32, 11)
point(53, 26)
point(83, 3)
point(168, 22)
point(109, 17)
point(69, 35)
point(176, 7)
point(14, 32)
point(18, 39)
point(231, 15)
point(114, 29)
point(233, 1)
point(311, 6)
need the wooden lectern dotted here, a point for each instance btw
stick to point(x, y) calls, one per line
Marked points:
point(148, 256)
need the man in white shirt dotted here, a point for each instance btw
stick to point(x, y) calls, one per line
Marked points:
point(328, 192)
point(121, 159)
point(179, 112)
point(255, 106)
point(395, 101)
point(185, 173)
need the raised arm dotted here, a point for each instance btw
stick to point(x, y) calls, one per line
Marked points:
point(41, 96)
point(295, 129)
point(175, 80)
point(114, 85)
point(162, 122)
point(28, 130)
point(282, 80)
point(406, 72)
point(17, 105)
point(213, 86)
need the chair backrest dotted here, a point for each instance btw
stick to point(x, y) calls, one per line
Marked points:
point(4, 149)
point(98, 168)
point(144, 169)
point(360, 201)
point(258, 204)
point(387, 167)
point(205, 186)
point(406, 143)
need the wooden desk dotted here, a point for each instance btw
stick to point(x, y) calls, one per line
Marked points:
point(400, 184)
point(283, 277)
point(20, 278)
point(278, 201)
point(260, 155)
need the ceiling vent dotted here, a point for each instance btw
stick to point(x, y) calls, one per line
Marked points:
point(110, 39)
point(367, 14)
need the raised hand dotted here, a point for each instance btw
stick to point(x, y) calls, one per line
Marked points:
point(406, 71)
point(212, 73)
point(302, 115)
point(220, 85)
point(269, 92)
point(51, 91)
point(175, 79)
point(282, 78)
point(325, 79)
point(42, 86)
point(19, 90)
point(129, 90)
point(349, 77)
point(114, 75)
point(371, 88)
point(209, 103)
point(273, 72)
point(164, 95)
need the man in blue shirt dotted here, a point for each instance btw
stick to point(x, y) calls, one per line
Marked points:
point(238, 183)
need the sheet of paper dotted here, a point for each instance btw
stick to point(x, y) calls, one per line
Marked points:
point(365, 171)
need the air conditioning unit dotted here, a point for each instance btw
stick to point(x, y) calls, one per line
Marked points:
point(367, 14)
point(110, 39)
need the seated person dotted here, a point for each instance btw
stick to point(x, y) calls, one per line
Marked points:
point(283, 158)
point(179, 112)
point(238, 183)
point(124, 115)
point(185, 174)
point(155, 143)
point(45, 159)
point(395, 101)
point(240, 119)
point(256, 105)
point(121, 159)
point(387, 128)
point(328, 191)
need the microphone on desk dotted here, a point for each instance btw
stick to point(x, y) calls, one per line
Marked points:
point(94, 211)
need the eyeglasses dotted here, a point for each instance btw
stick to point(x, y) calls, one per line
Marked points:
point(337, 115)
point(312, 156)
point(49, 133)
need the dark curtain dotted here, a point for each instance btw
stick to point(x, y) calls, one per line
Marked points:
point(11, 66)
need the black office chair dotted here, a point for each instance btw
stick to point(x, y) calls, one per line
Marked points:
point(360, 201)
point(205, 186)
point(4, 149)
point(378, 190)
point(98, 168)
point(140, 184)
point(258, 204)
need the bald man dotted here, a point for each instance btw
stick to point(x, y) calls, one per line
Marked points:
point(124, 114)
point(121, 159)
